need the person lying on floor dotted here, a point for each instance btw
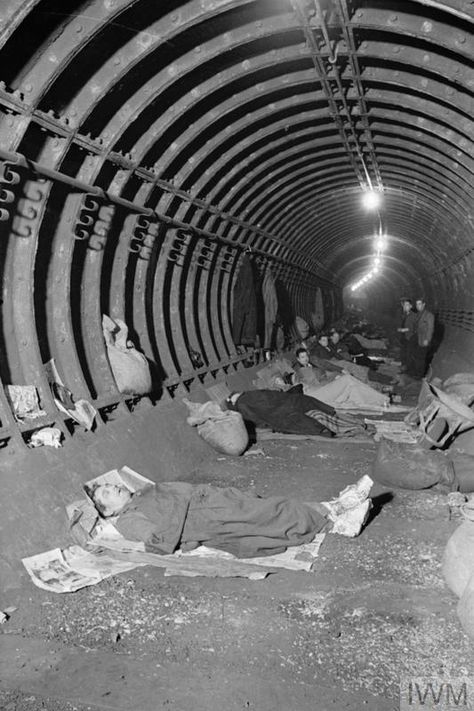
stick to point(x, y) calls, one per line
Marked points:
point(291, 412)
point(341, 392)
point(177, 514)
point(355, 362)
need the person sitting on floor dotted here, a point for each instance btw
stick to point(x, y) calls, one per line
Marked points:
point(305, 371)
point(321, 349)
point(175, 515)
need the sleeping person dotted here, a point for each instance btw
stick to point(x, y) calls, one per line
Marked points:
point(174, 515)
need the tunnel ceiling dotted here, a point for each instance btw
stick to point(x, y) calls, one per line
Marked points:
point(139, 134)
point(272, 115)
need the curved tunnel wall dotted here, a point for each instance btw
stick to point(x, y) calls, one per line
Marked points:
point(148, 148)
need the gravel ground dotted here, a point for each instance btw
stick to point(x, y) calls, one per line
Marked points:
point(374, 609)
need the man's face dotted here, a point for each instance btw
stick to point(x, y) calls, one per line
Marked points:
point(420, 305)
point(303, 358)
point(335, 337)
point(323, 340)
point(112, 498)
point(406, 305)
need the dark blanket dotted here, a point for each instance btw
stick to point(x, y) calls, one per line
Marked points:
point(180, 514)
point(283, 411)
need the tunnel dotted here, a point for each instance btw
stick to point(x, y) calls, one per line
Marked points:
point(159, 160)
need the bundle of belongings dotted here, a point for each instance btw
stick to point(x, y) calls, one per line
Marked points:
point(426, 460)
point(128, 520)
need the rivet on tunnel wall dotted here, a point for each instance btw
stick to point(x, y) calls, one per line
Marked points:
point(461, 40)
point(79, 28)
point(427, 26)
point(426, 58)
point(393, 18)
point(395, 50)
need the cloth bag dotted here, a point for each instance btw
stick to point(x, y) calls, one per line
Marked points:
point(129, 367)
point(458, 571)
point(409, 466)
point(223, 430)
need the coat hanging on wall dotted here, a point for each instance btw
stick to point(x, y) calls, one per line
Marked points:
point(270, 301)
point(317, 317)
point(244, 307)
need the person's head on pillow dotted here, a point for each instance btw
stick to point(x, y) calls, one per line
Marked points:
point(110, 499)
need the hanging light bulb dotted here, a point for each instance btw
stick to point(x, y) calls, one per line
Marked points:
point(371, 199)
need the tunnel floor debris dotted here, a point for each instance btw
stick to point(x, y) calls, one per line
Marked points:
point(374, 609)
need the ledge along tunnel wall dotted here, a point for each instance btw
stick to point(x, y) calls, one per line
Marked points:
point(150, 150)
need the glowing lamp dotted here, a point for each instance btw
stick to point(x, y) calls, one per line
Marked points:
point(371, 199)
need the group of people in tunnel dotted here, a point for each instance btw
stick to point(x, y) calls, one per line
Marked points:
point(416, 336)
point(301, 401)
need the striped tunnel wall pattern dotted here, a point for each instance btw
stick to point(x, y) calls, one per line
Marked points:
point(148, 149)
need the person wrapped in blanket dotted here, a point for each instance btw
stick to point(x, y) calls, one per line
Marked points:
point(174, 515)
point(339, 389)
point(292, 412)
point(347, 354)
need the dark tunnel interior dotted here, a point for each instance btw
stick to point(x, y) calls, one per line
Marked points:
point(214, 177)
point(153, 154)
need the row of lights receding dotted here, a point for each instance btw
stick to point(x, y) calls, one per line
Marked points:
point(372, 200)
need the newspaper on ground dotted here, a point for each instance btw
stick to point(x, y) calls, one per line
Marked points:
point(124, 476)
point(73, 568)
point(395, 431)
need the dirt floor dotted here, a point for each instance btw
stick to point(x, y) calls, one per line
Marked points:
point(373, 610)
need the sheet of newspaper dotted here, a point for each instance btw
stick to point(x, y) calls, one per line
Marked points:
point(73, 568)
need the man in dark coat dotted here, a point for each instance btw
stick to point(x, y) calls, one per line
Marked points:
point(281, 411)
point(407, 331)
point(421, 341)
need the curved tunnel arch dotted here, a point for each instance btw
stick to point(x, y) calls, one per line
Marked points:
point(148, 148)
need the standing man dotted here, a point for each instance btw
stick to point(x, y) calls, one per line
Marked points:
point(407, 333)
point(424, 336)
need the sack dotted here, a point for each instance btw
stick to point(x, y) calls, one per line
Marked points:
point(129, 367)
point(409, 466)
point(224, 430)
point(457, 567)
point(457, 564)
point(227, 434)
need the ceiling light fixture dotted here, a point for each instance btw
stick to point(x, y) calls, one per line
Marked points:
point(371, 199)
